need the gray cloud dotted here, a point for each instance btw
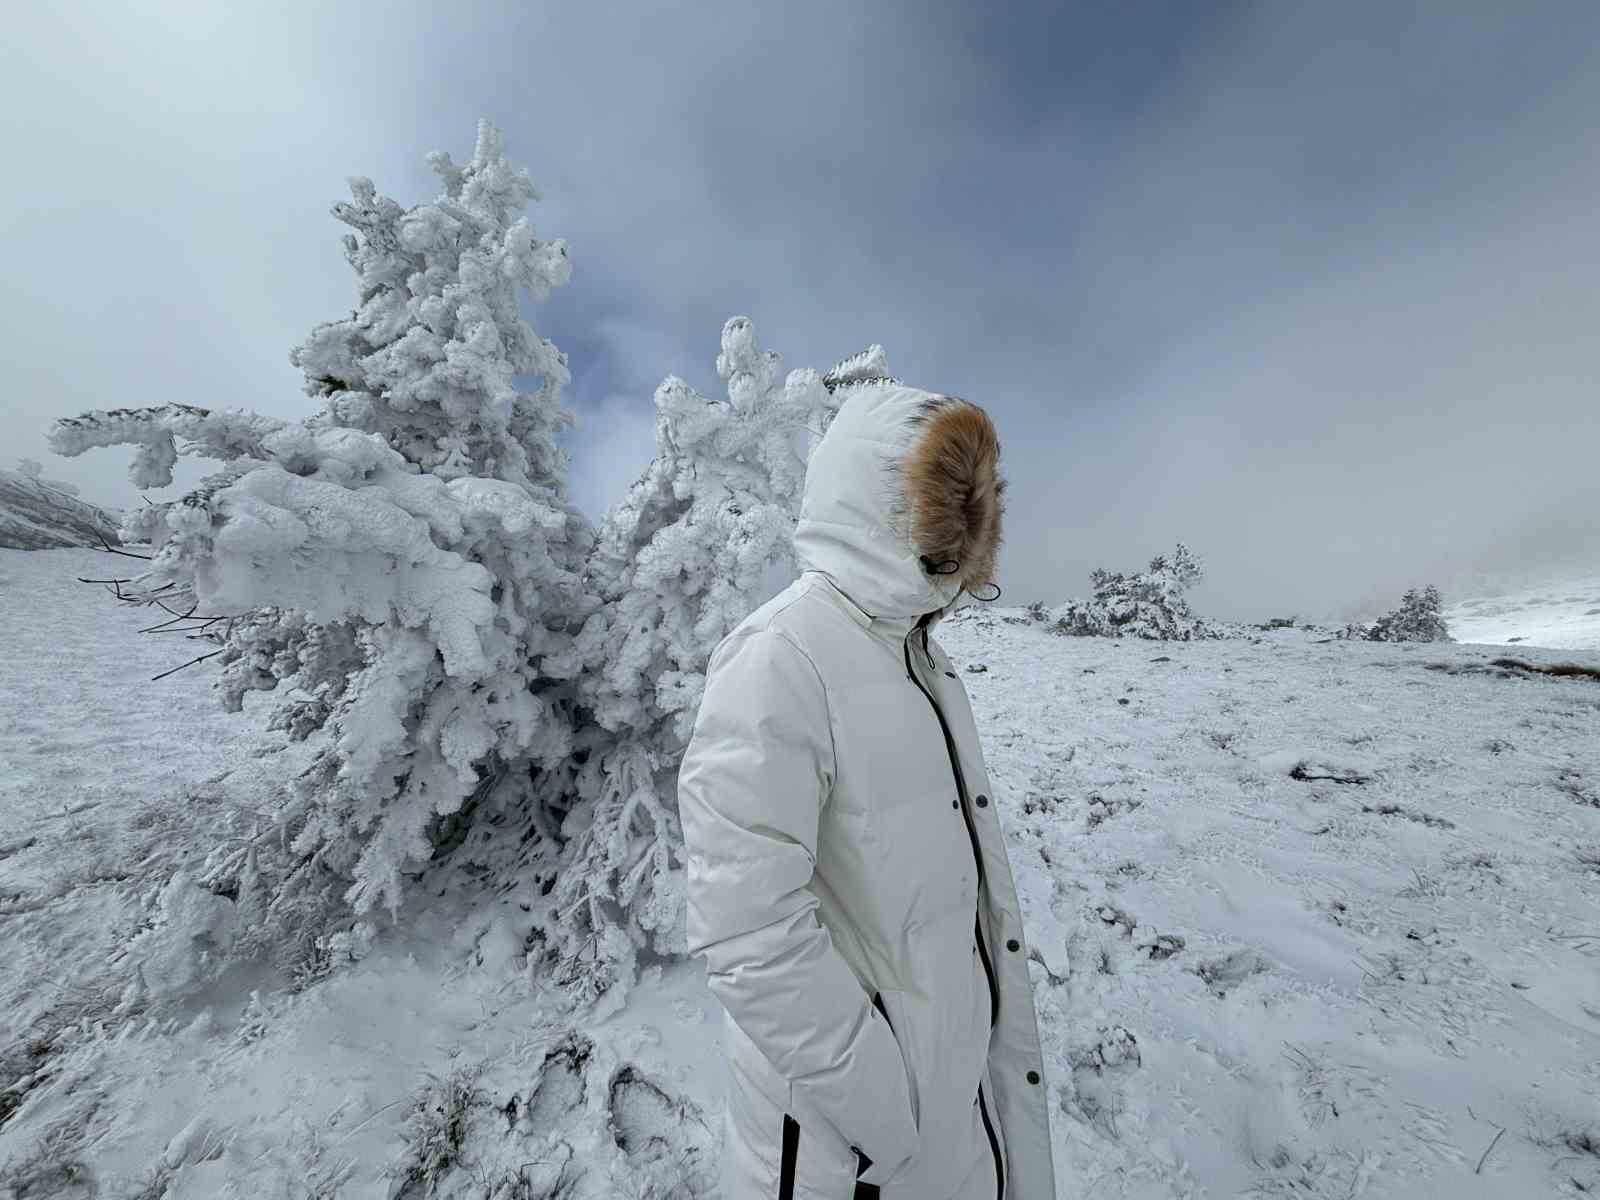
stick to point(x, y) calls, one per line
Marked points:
point(1305, 286)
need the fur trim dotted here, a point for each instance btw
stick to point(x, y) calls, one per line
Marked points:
point(953, 492)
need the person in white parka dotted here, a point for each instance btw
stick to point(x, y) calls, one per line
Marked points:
point(848, 887)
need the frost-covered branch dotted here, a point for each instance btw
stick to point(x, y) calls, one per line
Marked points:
point(227, 435)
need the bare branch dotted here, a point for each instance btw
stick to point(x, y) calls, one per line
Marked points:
point(172, 620)
point(110, 549)
point(1479, 1169)
point(190, 663)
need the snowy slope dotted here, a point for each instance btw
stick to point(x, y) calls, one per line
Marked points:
point(1308, 919)
point(34, 515)
point(191, 1084)
point(1563, 614)
point(1382, 863)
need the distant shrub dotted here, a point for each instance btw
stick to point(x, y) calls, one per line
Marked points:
point(1418, 619)
point(1148, 604)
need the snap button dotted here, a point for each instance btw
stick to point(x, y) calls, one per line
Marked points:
point(1033, 1077)
point(1013, 945)
point(983, 802)
point(955, 804)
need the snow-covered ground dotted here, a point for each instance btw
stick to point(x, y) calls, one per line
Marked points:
point(1320, 918)
point(1564, 614)
point(1310, 919)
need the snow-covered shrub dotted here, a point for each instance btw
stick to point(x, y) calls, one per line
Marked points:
point(435, 1128)
point(1418, 619)
point(678, 562)
point(1149, 604)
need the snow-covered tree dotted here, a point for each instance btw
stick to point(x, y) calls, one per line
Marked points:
point(1418, 619)
point(1148, 604)
point(691, 549)
point(492, 681)
point(407, 556)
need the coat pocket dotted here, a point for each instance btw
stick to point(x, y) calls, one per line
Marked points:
point(890, 1003)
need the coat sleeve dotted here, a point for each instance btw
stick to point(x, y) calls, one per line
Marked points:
point(750, 792)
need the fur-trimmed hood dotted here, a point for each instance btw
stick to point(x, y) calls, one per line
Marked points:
point(903, 500)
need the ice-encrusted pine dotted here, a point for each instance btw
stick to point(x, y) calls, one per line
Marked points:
point(1418, 619)
point(1147, 604)
point(700, 540)
point(417, 528)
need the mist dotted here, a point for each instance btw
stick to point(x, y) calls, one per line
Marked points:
point(1305, 288)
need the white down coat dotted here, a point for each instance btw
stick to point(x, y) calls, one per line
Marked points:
point(848, 886)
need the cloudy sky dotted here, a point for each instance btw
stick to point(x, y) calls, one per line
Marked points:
point(1311, 287)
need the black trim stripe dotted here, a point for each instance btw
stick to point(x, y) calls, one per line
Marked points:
point(972, 831)
point(791, 1148)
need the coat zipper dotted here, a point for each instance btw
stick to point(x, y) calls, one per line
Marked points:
point(972, 833)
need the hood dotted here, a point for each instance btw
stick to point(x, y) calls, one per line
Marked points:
point(903, 477)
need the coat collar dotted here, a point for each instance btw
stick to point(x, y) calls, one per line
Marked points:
point(890, 629)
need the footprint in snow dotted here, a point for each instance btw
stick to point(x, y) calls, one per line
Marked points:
point(1159, 946)
point(1101, 808)
point(665, 1137)
point(1099, 1073)
point(1222, 975)
point(560, 1091)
